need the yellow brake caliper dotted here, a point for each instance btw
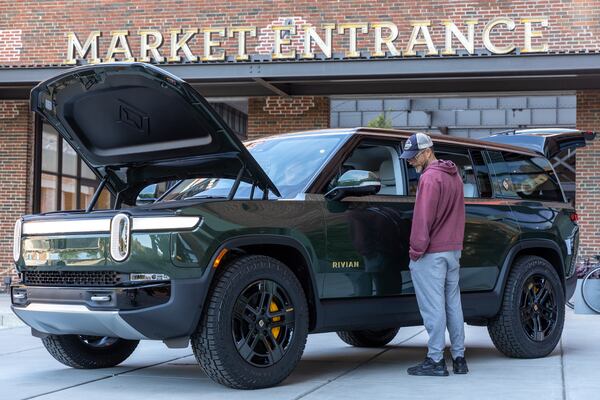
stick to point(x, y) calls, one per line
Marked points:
point(273, 308)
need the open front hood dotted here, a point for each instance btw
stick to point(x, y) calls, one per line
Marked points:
point(548, 142)
point(135, 124)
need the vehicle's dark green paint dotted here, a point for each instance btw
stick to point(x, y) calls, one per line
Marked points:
point(348, 252)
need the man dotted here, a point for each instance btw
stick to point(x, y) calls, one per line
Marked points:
point(435, 246)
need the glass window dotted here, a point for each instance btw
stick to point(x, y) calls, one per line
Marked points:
point(203, 188)
point(48, 193)
point(49, 149)
point(86, 193)
point(533, 178)
point(290, 162)
point(380, 158)
point(460, 157)
point(482, 174)
point(501, 181)
point(69, 160)
point(564, 166)
point(86, 172)
point(68, 198)
point(104, 200)
point(66, 183)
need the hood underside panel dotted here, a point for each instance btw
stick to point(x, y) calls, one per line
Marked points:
point(127, 120)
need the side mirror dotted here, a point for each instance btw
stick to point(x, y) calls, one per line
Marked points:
point(355, 183)
point(147, 195)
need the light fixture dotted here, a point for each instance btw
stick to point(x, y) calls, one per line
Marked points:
point(120, 234)
point(17, 240)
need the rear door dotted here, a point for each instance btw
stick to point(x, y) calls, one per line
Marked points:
point(490, 228)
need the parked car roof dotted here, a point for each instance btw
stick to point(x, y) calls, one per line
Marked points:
point(381, 132)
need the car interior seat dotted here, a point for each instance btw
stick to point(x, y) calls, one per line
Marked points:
point(387, 177)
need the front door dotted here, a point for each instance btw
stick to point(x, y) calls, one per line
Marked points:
point(367, 237)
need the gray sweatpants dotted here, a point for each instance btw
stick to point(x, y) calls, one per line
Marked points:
point(435, 279)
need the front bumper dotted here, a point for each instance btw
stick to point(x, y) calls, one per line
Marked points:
point(64, 311)
point(67, 319)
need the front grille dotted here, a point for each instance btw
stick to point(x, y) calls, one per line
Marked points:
point(71, 278)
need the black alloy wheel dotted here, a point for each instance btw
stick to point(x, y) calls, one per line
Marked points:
point(539, 311)
point(254, 325)
point(263, 323)
point(532, 315)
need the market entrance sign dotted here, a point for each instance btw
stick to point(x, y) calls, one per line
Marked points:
point(384, 37)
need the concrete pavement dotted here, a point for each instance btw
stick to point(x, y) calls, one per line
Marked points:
point(7, 318)
point(329, 369)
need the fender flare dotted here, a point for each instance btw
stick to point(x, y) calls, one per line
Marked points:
point(512, 254)
point(265, 239)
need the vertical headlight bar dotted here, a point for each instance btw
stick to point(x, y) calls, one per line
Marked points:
point(17, 240)
point(120, 234)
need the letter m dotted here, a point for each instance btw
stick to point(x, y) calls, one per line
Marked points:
point(90, 45)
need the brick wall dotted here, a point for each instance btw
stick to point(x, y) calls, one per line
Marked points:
point(273, 115)
point(16, 150)
point(572, 25)
point(588, 174)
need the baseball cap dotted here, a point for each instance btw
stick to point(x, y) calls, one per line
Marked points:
point(414, 144)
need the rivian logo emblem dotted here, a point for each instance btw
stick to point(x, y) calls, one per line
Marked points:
point(135, 119)
point(345, 264)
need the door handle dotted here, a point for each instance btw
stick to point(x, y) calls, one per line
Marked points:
point(100, 298)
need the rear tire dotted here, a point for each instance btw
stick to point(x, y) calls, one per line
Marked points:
point(368, 338)
point(254, 326)
point(87, 352)
point(532, 316)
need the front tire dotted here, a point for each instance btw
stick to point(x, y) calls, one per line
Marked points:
point(89, 352)
point(531, 320)
point(368, 338)
point(254, 326)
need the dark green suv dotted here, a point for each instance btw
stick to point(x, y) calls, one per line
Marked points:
point(255, 245)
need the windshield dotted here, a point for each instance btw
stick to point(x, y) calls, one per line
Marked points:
point(290, 162)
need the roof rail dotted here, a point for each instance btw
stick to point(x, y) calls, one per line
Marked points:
point(507, 132)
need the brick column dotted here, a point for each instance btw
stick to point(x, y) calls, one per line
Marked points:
point(16, 154)
point(588, 174)
point(273, 115)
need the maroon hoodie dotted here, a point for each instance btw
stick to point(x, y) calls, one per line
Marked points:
point(439, 217)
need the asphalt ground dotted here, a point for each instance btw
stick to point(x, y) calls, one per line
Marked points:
point(329, 369)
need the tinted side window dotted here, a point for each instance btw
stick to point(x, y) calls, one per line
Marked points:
point(482, 174)
point(460, 157)
point(501, 182)
point(533, 178)
point(379, 157)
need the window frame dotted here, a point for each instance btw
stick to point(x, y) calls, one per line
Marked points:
point(515, 196)
point(59, 175)
point(345, 152)
point(459, 149)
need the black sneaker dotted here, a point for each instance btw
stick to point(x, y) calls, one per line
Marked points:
point(459, 365)
point(429, 368)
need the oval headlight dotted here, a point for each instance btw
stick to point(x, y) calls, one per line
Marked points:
point(17, 240)
point(120, 234)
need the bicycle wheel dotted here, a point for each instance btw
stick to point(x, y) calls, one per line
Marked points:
point(585, 287)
